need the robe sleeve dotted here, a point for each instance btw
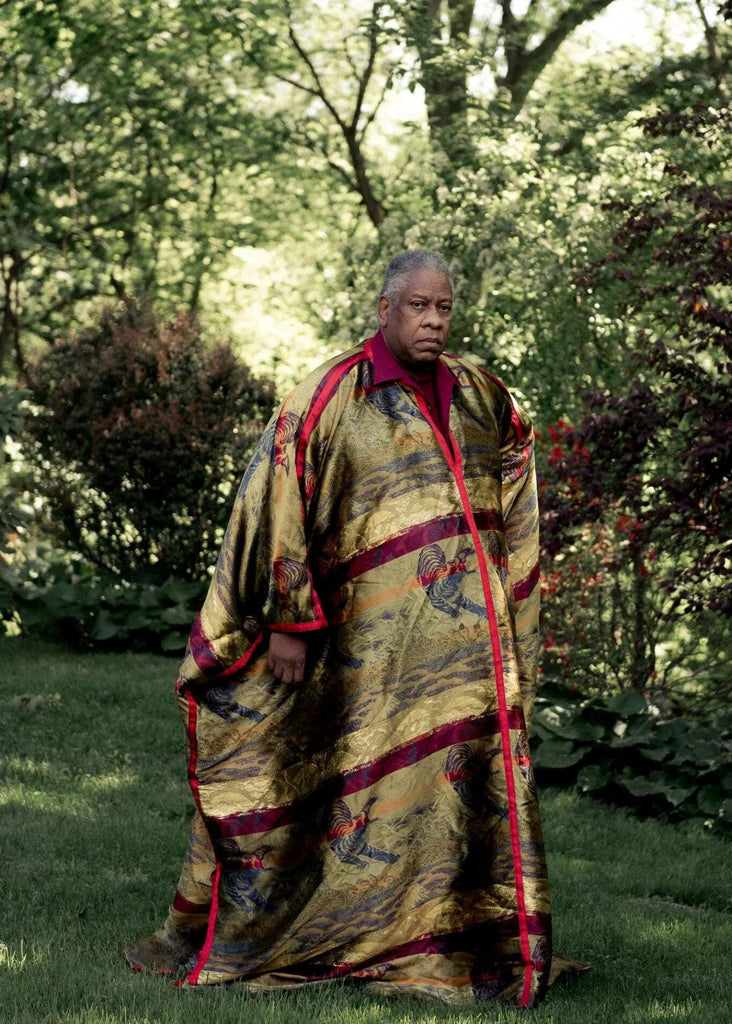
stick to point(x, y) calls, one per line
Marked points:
point(290, 602)
point(262, 579)
point(521, 518)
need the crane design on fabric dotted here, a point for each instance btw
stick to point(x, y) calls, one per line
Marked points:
point(220, 701)
point(346, 836)
point(442, 579)
point(467, 773)
point(241, 878)
point(392, 402)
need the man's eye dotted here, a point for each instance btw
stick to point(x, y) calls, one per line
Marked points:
point(418, 305)
point(445, 309)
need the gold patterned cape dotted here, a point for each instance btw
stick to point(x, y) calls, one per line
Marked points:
point(379, 822)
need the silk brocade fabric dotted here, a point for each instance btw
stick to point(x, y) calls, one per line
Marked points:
point(378, 823)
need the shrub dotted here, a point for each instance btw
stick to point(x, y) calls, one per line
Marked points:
point(623, 750)
point(140, 436)
point(13, 516)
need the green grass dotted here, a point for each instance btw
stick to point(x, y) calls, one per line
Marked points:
point(94, 811)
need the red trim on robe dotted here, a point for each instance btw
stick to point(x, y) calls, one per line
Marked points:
point(455, 464)
point(526, 586)
point(357, 779)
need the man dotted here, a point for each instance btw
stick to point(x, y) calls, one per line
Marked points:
point(359, 681)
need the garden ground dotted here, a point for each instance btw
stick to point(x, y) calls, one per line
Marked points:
point(94, 810)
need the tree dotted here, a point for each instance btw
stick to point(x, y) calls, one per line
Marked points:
point(640, 492)
point(122, 128)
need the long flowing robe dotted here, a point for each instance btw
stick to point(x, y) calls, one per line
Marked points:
point(378, 822)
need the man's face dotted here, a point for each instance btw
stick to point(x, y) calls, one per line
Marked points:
point(415, 329)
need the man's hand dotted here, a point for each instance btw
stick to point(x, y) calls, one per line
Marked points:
point(287, 657)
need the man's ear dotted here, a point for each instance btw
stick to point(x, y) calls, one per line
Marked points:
point(383, 311)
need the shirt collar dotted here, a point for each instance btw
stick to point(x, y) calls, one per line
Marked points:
point(387, 367)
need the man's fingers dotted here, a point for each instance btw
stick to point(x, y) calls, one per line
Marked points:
point(287, 671)
point(286, 658)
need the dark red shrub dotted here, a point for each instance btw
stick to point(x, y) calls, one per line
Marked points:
point(141, 434)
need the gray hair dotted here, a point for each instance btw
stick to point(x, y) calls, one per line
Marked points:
point(404, 265)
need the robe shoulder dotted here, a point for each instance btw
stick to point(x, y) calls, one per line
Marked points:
point(514, 421)
point(322, 382)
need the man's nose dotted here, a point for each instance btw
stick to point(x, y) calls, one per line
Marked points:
point(433, 318)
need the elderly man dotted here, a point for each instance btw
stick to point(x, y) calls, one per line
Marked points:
point(359, 681)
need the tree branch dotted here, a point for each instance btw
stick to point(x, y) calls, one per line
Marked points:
point(369, 69)
point(524, 66)
point(319, 90)
point(716, 60)
point(349, 131)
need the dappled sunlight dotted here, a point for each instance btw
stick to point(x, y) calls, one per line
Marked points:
point(662, 1012)
point(677, 931)
point(272, 339)
point(107, 783)
point(15, 794)
point(115, 877)
point(76, 802)
point(15, 959)
point(86, 782)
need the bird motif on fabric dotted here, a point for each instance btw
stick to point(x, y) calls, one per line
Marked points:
point(489, 986)
point(286, 576)
point(310, 471)
point(392, 402)
point(542, 953)
point(219, 700)
point(286, 430)
point(241, 876)
point(346, 836)
point(310, 479)
point(467, 772)
point(441, 580)
point(264, 450)
point(522, 753)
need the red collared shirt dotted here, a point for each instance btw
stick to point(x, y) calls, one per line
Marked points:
point(436, 392)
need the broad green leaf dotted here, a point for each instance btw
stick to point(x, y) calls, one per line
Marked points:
point(105, 627)
point(593, 777)
point(640, 786)
point(557, 754)
point(180, 591)
point(709, 799)
point(174, 642)
point(627, 703)
point(678, 794)
point(177, 616)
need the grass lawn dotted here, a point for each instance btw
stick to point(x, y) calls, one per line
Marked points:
point(94, 812)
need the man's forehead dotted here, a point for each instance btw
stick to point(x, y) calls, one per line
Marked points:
point(426, 280)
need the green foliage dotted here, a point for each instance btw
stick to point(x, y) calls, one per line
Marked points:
point(109, 615)
point(13, 516)
point(122, 127)
point(621, 749)
point(637, 502)
point(12, 414)
point(140, 437)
